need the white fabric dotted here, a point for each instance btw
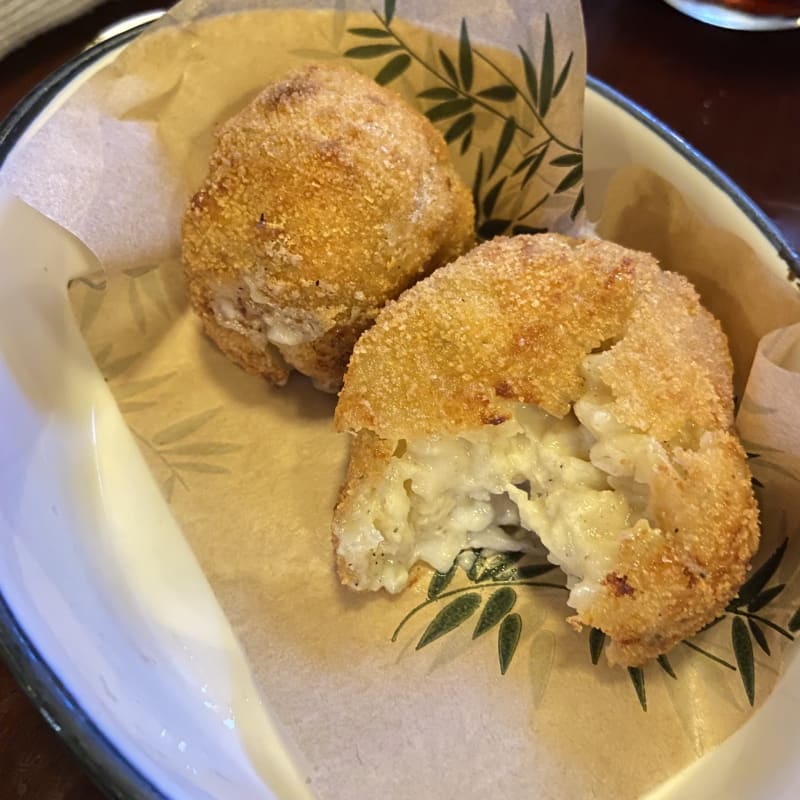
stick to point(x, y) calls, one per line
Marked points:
point(21, 20)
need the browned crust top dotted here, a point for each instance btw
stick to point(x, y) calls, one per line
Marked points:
point(332, 192)
point(512, 321)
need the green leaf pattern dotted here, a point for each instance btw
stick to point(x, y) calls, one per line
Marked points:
point(494, 581)
point(439, 582)
point(393, 69)
point(497, 606)
point(371, 50)
point(596, 641)
point(370, 33)
point(548, 68)
point(181, 449)
point(507, 640)
point(176, 431)
point(758, 580)
point(463, 125)
point(449, 68)
point(465, 62)
point(503, 143)
point(503, 93)
point(180, 452)
point(794, 622)
point(562, 76)
point(450, 617)
point(743, 650)
point(637, 679)
point(438, 93)
point(663, 662)
point(470, 87)
point(758, 635)
point(531, 78)
point(447, 109)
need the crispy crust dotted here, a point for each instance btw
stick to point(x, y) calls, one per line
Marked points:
point(369, 457)
point(683, 576)
point(511, 322)
point(266, 362)
point(329, 195)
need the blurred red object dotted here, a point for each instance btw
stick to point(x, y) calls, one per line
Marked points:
point(777, 8)
point(744, 15)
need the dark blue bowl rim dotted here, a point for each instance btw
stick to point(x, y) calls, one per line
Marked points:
point(108, 767)
point(767, 227)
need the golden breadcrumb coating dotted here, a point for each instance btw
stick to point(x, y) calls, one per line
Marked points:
point(326, 196)
point(586, 331)
point(510, 322)
point(668, 586)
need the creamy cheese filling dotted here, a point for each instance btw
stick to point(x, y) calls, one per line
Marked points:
point(579, 484)
point(248, 311)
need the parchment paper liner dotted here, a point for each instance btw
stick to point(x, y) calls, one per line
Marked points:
point(252, 473)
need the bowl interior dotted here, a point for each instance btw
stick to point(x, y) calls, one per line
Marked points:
point(100, 589)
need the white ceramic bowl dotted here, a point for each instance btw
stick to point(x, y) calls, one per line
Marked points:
point(105, 617)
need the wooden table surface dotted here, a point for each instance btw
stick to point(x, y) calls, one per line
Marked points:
point(734, 96)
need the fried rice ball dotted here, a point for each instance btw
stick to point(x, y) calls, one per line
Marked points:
point(563, 388)
point(326, 196)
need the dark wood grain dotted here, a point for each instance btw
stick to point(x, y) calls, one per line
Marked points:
point(734, 96)
point(33, 761)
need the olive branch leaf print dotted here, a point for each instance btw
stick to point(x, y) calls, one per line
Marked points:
point(468, 84)
point(490, 584)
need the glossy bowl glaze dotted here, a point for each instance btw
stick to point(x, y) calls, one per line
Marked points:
point(106, 619)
